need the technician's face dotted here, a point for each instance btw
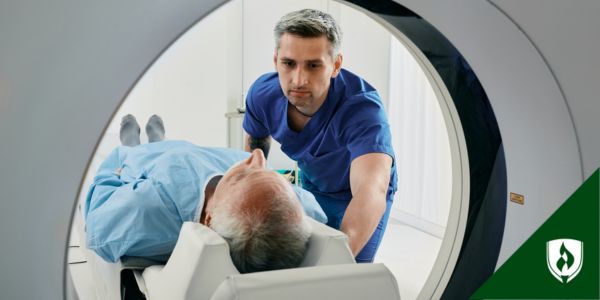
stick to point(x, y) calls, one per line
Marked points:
point(247, 180)
point(305, 67)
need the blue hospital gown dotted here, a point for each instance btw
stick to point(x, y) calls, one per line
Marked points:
point(141, 196)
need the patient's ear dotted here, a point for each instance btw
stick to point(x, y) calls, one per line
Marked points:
point(206, 220)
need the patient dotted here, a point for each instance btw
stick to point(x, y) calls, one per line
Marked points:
point(142, 194)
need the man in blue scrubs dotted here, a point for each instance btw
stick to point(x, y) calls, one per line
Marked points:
point(332, 123)
point(142, 194)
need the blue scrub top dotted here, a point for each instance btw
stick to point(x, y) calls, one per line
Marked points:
point(141, 196)
point(351, 122)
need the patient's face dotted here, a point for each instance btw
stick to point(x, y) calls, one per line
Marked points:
point(249, 180)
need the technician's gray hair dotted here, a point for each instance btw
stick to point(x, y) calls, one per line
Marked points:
point(263, 240)
point(310, 23)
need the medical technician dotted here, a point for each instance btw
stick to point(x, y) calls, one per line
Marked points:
point(332, 122)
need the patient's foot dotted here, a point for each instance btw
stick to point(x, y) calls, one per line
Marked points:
point(130, 131)
point(155, 129)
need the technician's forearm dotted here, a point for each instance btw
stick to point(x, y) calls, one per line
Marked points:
point(263, 144)
point(361, 219)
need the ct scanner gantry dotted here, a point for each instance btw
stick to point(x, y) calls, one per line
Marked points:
point(65, 66)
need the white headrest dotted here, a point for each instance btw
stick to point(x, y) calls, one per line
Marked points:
point(197, 265)
point(348, 282)
point(201, 261)
point(326, 246)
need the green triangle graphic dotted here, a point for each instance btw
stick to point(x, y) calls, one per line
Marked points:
point(527, 275)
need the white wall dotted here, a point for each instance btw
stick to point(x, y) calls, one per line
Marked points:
point(191, 84)
point(366, 48)
point(422, 146)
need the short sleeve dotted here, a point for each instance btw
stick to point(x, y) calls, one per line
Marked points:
point(254, 117)
point(374, 138)
point(367, 129)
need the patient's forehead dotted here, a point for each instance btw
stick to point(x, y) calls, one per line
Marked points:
point(255, 184)
point(265, 183)
point(261, 190)
point(265, 180)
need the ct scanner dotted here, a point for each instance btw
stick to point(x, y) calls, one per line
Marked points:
point(521, 114)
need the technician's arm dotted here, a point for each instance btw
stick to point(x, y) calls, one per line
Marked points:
point(252, 143)
point(369, 179)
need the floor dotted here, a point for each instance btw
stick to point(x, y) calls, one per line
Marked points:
point(409, 253)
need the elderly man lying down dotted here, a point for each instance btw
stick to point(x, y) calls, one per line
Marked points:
point(142, 194)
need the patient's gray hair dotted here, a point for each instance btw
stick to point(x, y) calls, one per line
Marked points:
point(310, 23)
point(264, 240)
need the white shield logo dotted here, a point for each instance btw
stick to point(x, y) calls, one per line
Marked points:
point(564, 258)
